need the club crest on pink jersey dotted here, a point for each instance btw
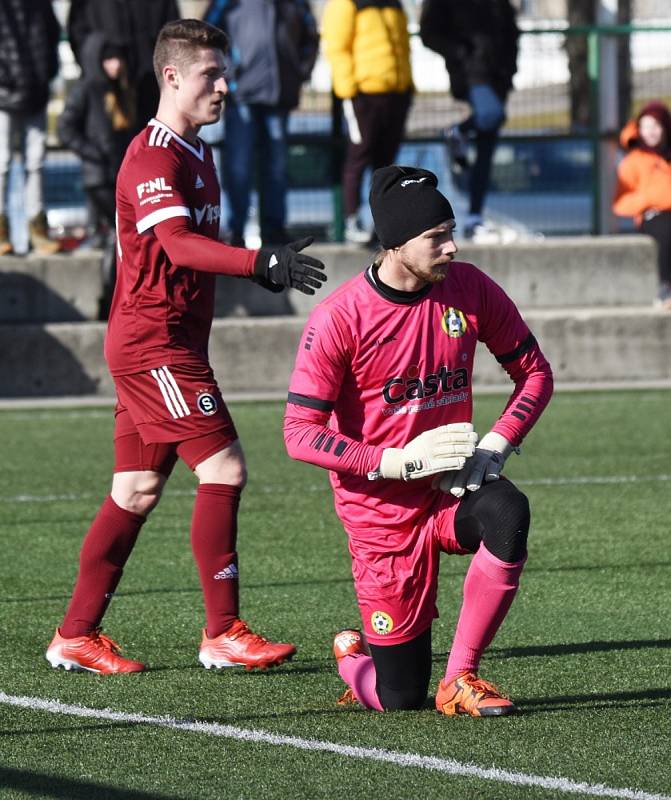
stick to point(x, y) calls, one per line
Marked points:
point(454, 322)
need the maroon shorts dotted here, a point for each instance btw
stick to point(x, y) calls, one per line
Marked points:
point(396, 572)
point(169, 412)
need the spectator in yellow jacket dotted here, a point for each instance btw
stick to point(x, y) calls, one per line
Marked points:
point(367, 45)
point(643, 188)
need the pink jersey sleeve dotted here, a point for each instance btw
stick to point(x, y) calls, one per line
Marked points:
point(514, 346)
point(318, 374)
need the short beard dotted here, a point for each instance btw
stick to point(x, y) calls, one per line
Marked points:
point(426, 275)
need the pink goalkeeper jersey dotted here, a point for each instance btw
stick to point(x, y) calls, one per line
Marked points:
point(161, 313)
point(379, 368)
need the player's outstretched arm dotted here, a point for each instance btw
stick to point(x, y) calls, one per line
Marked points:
point(286, 266)
point(440, 449)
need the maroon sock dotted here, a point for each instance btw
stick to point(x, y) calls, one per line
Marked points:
point(104, 553)
point(214, 531)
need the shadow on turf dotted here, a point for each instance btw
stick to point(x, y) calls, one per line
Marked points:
point(647, 698)
point(45, 785)
point(189, 590)
point(568, 649)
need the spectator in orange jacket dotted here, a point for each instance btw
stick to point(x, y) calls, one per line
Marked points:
point(643, 188)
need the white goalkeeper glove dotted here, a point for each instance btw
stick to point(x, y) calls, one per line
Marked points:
point(444, 448)
point(484, 466)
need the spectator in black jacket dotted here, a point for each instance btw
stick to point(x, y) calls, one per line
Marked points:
point(97, 124)
point(135, 25)
point(29, 33)
point(274, 46)
point(478, 41)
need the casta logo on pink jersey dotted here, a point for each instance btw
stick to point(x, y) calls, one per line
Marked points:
point(413, 386)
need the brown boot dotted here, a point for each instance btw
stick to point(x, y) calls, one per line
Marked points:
point(39, 236)
point(5, 244)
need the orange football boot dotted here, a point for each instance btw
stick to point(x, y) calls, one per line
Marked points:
point(241, 647)
point(468, 694)
point(350, 642)
point(92, 653)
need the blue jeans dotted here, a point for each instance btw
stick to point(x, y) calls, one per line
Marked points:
point(251, 129)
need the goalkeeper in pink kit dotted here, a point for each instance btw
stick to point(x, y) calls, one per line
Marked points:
point(381, 395)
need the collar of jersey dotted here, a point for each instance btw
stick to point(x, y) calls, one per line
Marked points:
point(391, 294)
point(199, 154)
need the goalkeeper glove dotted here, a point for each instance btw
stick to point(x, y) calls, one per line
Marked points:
point(484, 466)
point(444, 448)
point(285, 266)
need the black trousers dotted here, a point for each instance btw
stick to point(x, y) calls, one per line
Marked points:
point(659, 227)
point(376, 123)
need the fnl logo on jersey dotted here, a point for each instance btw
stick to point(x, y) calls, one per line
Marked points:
point(153, 185)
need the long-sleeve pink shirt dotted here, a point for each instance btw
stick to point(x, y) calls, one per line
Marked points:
point(375, 368)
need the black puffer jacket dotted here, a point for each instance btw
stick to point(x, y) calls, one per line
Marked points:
point(29, 34)
point(274, 45)
point(477, 39)
point(85, 127)
point(135, 24)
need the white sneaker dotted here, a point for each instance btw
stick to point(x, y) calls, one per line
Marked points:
point(481, 232)
point(355, 233)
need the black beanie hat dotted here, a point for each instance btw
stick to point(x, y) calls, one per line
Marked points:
point(405, 202)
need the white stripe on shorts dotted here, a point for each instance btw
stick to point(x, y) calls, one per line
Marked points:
point(172, 395)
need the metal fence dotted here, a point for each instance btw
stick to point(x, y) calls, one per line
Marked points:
point(556, 158)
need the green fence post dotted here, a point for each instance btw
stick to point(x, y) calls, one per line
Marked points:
point(593, 73)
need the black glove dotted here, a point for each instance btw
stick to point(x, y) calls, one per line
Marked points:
point(287, 266)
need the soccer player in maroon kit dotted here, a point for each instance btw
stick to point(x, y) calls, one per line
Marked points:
point(168, 402)
point(381, 396)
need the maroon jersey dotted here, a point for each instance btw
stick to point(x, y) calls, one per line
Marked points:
point(161, 313)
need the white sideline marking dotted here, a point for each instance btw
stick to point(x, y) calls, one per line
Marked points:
point(587, 480)
point(593, 479)
point(446, 765)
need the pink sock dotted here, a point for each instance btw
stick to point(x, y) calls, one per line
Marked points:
point(489, 589)
point(358, 672)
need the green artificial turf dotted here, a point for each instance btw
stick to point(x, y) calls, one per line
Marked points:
point(585, 651)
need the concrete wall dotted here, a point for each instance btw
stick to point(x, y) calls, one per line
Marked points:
point(588, 302)
point(552, 273)
point(256, 355)
point(54, 289)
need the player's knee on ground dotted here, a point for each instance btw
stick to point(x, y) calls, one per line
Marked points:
point(498, 515)
point(410, 698)
point(403, 673)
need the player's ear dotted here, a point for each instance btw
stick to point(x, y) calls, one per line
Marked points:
point(171, 76)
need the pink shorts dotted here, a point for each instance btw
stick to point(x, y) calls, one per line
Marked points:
point(396, 573)
point(166, 412)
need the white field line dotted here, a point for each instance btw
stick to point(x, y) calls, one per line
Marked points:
point(586, 480)
point(445, 765)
